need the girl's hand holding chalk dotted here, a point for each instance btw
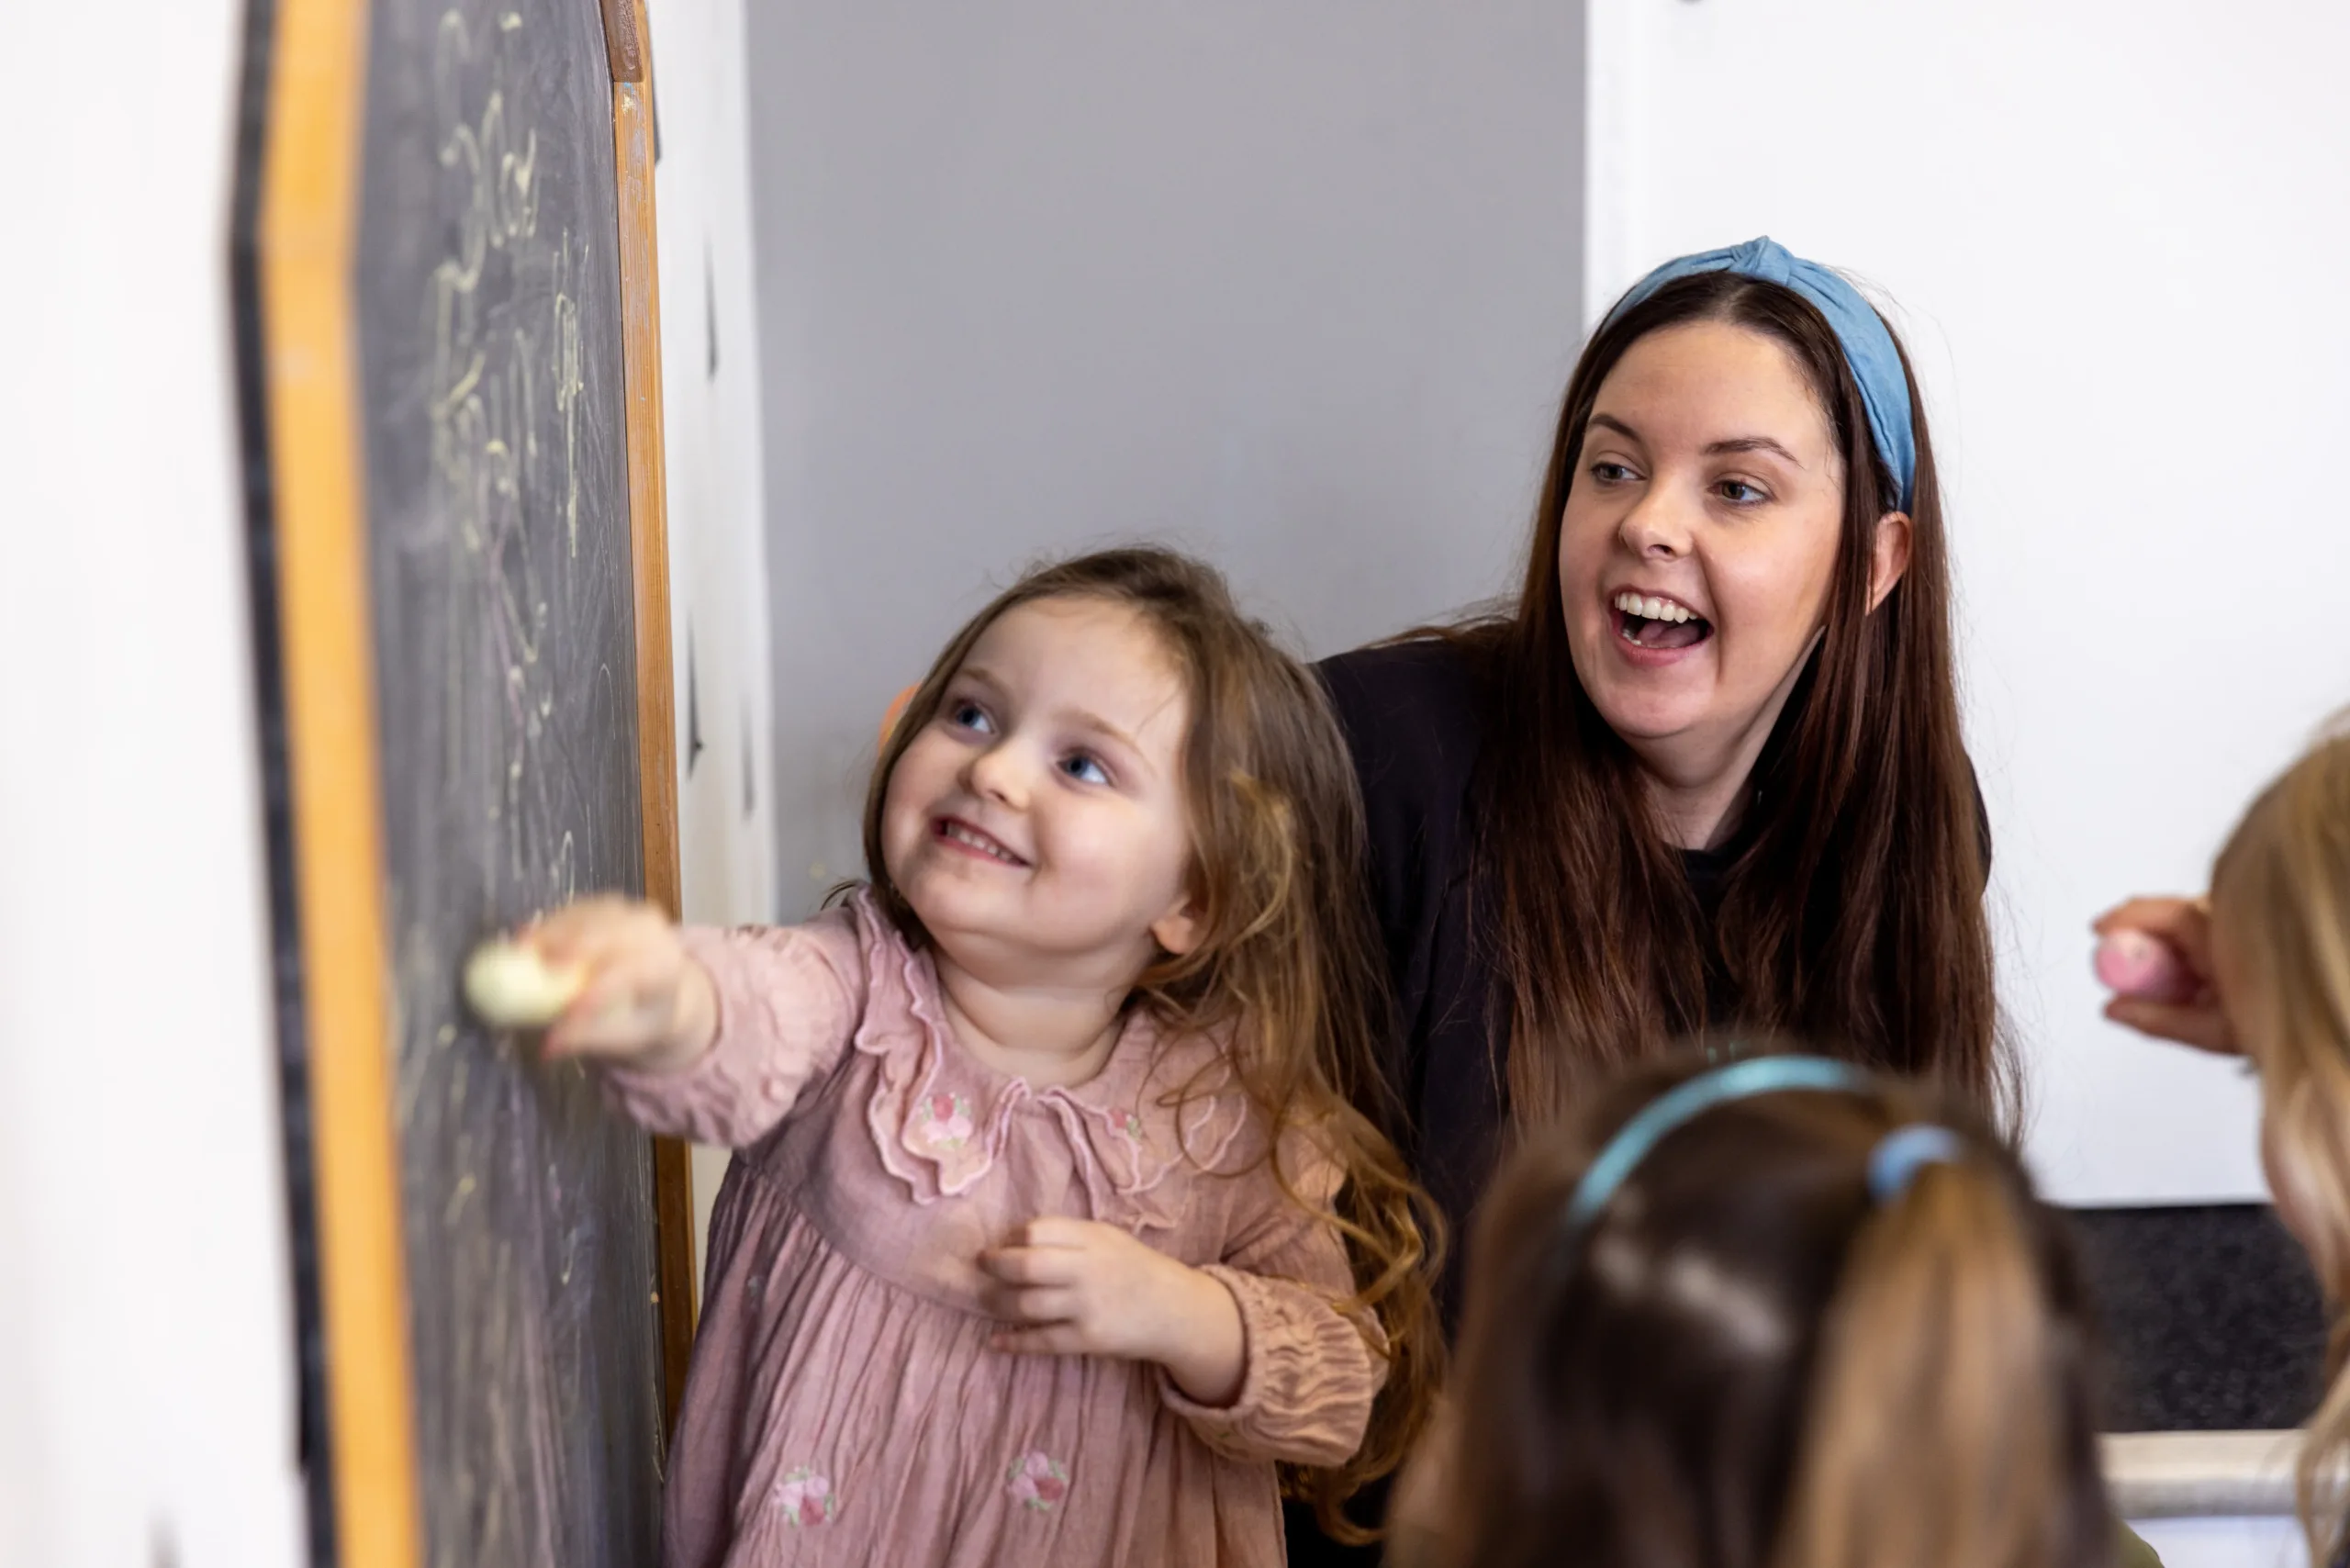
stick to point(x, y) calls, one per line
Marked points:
point(605, 977)
point(2156, 956)
point(509, 986)
point(2133, 963)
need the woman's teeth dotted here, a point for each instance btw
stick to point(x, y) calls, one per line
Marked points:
point(1651, 609)
point(1652, 622)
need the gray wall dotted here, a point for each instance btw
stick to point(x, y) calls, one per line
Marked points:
point(1292, 283)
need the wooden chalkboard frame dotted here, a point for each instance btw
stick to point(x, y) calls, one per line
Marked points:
point(628, 45)
point(303, 215)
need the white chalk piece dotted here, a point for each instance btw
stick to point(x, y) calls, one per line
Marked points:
point(510, 987)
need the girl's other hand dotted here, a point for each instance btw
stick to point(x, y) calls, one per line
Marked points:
point(645, 1002)
point(2195, 1018)
point(1075, 1287)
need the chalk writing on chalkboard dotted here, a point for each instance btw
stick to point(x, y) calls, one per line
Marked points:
point(486, 390)
point(501, 585)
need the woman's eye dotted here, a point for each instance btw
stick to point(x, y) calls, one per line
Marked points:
point(1741, 492)
point(1610, 473)
point(969, 716)
point(1084, 769)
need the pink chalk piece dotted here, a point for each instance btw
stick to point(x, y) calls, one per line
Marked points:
point(2142, 965)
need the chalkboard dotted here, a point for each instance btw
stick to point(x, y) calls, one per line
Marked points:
point(452, 405)
point(500, 570)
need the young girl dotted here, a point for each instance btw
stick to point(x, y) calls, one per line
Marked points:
point(2269, 962)
point(1780, 1313)
point(1055, 1232)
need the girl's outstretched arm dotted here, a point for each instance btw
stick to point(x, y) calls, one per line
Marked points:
point(785, 1002)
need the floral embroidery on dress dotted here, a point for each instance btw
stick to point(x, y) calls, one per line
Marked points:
point(946, 1122)
point(1038, 1480)
point(805, 1497)
point(940, 1120)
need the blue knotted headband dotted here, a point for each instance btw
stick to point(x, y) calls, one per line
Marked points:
point(1893, 1164)
point(1867, 343)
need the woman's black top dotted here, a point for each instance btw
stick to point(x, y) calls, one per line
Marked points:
point(1414, 715)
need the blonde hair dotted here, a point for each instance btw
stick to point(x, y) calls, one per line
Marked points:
point(1748, 1361)
point(2281, 910)
point(1288, 963)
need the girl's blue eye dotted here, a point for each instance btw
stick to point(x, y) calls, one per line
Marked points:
point(1741, 492)
point(969, 716)
point(1084, 769)
point(1610, 473)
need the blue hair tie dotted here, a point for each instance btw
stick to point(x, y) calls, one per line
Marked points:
point(1900, 1154)
point(1868, 344)
point(1738, 1081)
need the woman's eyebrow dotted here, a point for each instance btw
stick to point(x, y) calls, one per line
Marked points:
point(1714, 449)
point(1752, 444)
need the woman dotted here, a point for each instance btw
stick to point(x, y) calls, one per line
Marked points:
point(1709, 771)
point(1707, 774)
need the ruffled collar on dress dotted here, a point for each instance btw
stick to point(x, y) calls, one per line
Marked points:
point(940, 1118)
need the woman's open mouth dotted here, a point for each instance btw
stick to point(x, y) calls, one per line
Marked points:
point(1648, 621)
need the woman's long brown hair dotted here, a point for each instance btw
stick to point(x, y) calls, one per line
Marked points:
point(1287, 963)
point(1853, 907)
point(1747, 1360)
point(2280, 897)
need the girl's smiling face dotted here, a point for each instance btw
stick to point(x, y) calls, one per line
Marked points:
point(1037, 824)
point(1700, 542)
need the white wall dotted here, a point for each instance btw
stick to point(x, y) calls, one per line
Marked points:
point(710, 414)
point(2112, 232)
point(147, 1391)
point(2263, 1542)
point(1294, 284)
point(710, 372)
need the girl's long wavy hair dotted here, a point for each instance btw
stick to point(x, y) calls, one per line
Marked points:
point(1747, 1360)
point(1852, 906)
point(2280, 896)
point(1287, 964)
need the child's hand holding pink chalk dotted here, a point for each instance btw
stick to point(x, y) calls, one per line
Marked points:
point(2136, 963)
point(2154, 954)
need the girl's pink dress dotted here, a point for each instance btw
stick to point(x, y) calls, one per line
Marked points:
point(845, 1405)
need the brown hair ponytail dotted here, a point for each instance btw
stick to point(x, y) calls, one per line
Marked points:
point(1938, 1399)
point(1745, 1359)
